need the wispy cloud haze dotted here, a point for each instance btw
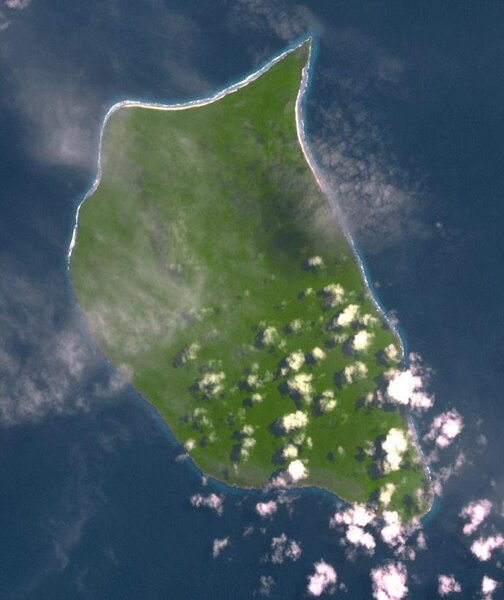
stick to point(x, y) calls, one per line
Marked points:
point(48, 363)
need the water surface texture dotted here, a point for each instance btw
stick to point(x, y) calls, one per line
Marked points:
point(405, 120)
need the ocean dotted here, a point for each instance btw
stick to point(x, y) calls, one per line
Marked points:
point(405, 119)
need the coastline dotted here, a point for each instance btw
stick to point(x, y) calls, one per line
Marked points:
point(325, 189)
point(232, 88)
point(328, 193)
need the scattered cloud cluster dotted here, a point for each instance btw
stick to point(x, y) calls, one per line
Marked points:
point(212, 501)
point(295, 360)
point(212, 384)
point(362, 528)
point(476, 512)
point(283, 548)
point(483, 547)
point(323, 580)
point(447, 584)
point(407, 388)
point(356, 520)
point(334, 295)
point(445, 428)
point(327, 402)
point(358, 537)
point(266, 509)
point(301, 385)
point(389, 581)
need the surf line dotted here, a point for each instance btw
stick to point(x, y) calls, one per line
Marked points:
point(234, 87)
point(325, 188)
point(303, 141)
point(302, 137)
point(328, 192)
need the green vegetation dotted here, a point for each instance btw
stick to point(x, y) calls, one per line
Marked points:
point(212, 271)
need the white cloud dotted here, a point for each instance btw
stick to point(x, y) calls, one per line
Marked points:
point(386, 493)
point(334, 295)
point(394, 446)
point(315, 261)
point(317, 354)
point(488, 587)
point(266, 509)
point(389, 582)
point(211, 384)
point(295, 420)
point(355, 519)
point(358, 537)
point(282, 548)
point(357, 514)
point(407, 387)
point(301, 384)
point(354, 372)
point(483, 548)
point(290, 451)
point(391, 352)
point(447, 584)
point(297, 471)
point(327, 401)
point(392, 531)
point(212, 501)
point(362, 340)
point(347, 316)
point(476, 512)
point(323, 580)
point(219, 545)
point(445, 428)
point(400, 536)
point(295, 360)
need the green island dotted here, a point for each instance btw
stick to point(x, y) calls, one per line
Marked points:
point(213, 272)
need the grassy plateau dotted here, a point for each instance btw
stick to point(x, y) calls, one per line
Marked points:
point(212, 271)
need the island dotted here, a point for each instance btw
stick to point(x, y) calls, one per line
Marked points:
point(214, 273)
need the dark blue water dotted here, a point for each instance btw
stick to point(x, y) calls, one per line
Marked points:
point(405, 116)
